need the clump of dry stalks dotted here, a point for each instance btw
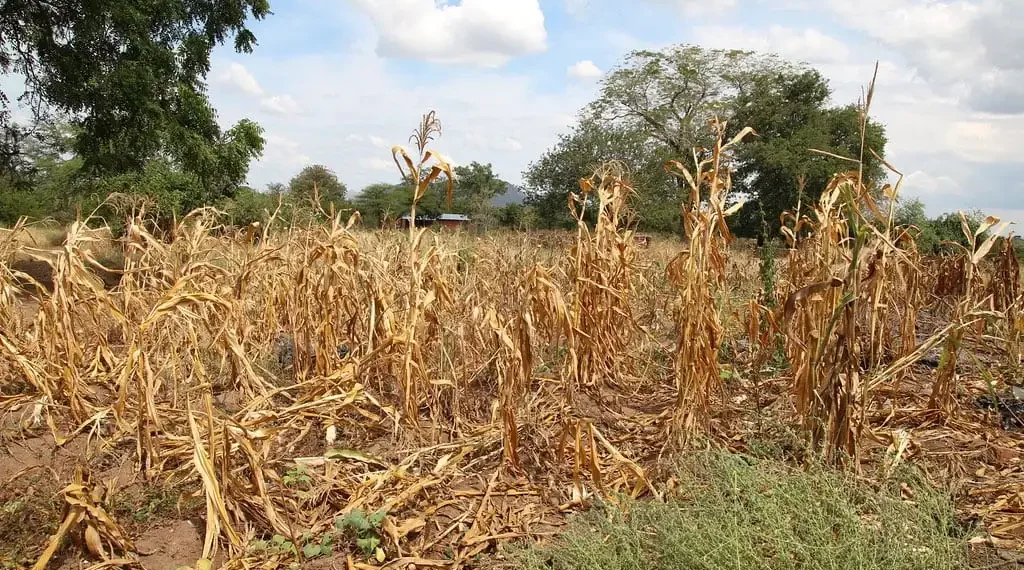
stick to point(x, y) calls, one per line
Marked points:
point(851, 318)
point(697, 273)
point(483, 389)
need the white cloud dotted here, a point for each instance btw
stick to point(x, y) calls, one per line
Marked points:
point(515, 116)
point(584, 70)
point(927, 187)
point(377, 163)
point(284, 152)
point(238, 77)
point(280, 104)
point(700, 7)
point(576, 8)
point(809, 45)
point(486, 142)
point(478, 32)
point(972, 49)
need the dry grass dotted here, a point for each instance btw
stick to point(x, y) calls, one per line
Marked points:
point(473, 389)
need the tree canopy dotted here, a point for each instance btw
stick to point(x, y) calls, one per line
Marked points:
point(658, 105)
point(131, 76)
point(321, 180)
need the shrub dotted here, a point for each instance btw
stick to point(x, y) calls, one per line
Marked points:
point(740, 513)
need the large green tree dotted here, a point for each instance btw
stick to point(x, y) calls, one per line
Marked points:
point(659, 104)
point(317, 179)
point(791, 115)
point(381, 201)
point(476, 184)
point(581, 151)
point(131, 74)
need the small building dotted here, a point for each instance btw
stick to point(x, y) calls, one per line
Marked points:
point(421, 221)
point(452, 220)
point(445, 220)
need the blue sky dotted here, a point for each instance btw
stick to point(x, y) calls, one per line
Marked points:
point(339, 82)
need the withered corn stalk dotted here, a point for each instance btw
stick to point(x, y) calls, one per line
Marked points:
point(964, 315)
point(697, 273)
point(600, 309)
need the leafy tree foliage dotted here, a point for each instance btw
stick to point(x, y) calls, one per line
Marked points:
point(380, 202)
point(475, 186)
point(933, 235)
point(578, 153)
point(132, 75)
point(790, 114)
point(659, 104)
point(52, 181)
point(248, 205)
point(319, 180)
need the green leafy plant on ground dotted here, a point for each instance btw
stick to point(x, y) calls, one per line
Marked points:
point(278, 544)
point(297, 476)
point(735, 512)
point(365, 529)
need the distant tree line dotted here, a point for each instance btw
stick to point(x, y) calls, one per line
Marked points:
point(381, 203)
point(118, 101)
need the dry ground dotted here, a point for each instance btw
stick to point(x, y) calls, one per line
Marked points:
point(177, 418)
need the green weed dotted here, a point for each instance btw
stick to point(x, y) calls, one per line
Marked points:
point(738, 513)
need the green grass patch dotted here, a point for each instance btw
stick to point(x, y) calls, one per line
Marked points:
point(735, 512)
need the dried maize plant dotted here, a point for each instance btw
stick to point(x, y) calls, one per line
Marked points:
point(18, 351)
point(814, 293)
point(77, 305)
point(822, 318)
point(317, 302)
point(10, 318)
point(1005, 292)
point(950, 279)
point(763, 334)
point(801, 260)
point(821, 323)
point(86, 518)
point(965, 311)
point(883, 291)
point(420, 172)
point(907, 304)
point(514, 366)
point(697, 273)
point(601, 277)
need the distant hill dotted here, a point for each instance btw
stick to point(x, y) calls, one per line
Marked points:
point(512, 195)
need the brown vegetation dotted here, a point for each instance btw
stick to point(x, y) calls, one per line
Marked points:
point(476, 389)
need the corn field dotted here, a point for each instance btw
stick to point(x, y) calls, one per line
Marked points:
point(473, 389)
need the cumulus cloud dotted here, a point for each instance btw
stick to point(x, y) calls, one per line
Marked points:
point(280, 104)
point(283, 151)
point(584, 70)
point(238, 77)
point(486, 142)
point(516, 117)
point(928, 187)
point(808, 44)
point(972, 49)
point(477, 32)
